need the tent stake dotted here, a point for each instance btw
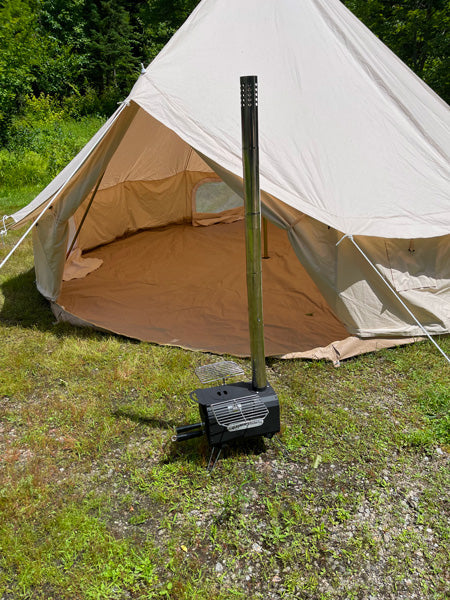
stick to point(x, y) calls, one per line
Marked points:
point(97, 185)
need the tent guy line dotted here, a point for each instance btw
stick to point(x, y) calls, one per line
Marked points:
point(350, 237)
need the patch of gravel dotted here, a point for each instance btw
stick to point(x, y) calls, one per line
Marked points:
point(365, 534)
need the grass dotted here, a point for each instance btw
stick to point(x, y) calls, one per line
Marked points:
point(97, 502)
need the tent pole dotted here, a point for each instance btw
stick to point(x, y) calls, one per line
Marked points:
point(265, 239)
point(97, 185)
point(252, 201)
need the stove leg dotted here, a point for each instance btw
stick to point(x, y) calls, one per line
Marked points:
point(280, 445)
point(212, 461)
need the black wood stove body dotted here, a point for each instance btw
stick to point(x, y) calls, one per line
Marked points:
point(236, 411)
point(231, 411)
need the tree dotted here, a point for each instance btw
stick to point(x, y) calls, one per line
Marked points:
point(111, 35)
point(20, 53)
point(160, 19)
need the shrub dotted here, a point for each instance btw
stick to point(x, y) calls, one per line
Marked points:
point(42, 141)
point(17, 169)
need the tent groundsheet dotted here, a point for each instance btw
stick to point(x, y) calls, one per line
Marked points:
point(185, 286)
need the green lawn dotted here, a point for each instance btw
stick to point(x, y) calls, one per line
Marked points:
point(96, 502)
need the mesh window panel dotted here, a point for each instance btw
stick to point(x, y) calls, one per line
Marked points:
point(216, 197)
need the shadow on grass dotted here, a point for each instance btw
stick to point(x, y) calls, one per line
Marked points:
point(198, 451)
point(25, 307)
point(139, 418)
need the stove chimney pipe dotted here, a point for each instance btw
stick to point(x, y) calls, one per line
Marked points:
point(252, 201)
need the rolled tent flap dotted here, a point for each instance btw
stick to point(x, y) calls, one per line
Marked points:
point(51, 235)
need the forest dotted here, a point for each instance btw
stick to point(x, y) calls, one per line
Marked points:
point(63, 62)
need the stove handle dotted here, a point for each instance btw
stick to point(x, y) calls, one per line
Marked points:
point(187, 432)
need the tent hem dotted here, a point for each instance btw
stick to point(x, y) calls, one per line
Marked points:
point(335, 352)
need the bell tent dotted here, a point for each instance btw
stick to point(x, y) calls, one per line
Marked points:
point(142, 233)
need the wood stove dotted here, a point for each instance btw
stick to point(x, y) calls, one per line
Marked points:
point(235, 411)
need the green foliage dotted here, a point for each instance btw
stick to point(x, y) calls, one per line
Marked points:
point(113, 64)
point(74, 542)
point(84, 53)
point(434, 402)
point(41, 141)
point(24, 169)
point(19, 54)
point(31, 60)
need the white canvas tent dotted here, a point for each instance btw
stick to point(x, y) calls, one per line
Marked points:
point(352, 144)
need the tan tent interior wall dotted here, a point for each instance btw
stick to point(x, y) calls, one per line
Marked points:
point(149, 181)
